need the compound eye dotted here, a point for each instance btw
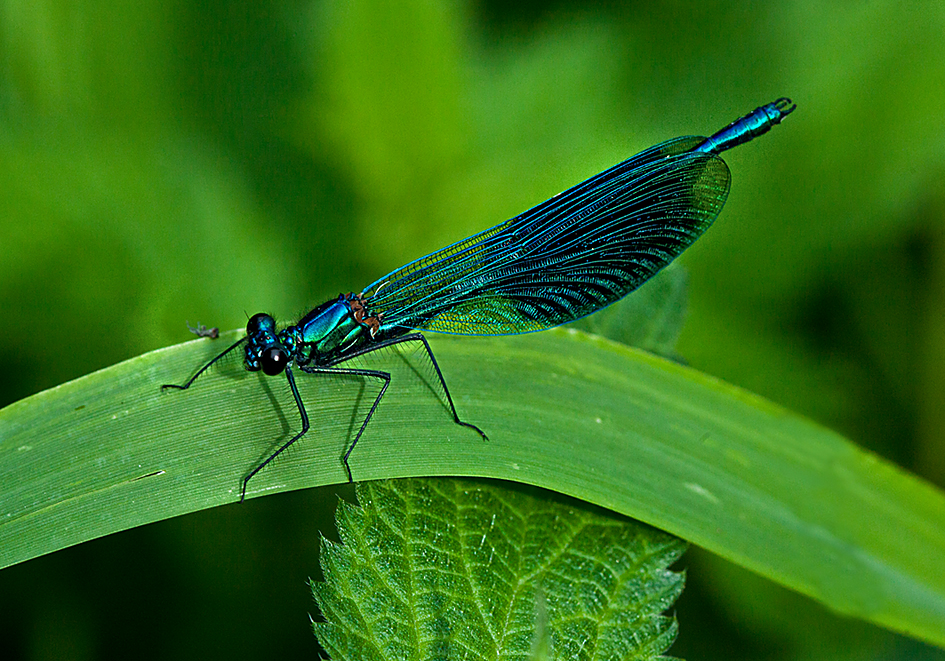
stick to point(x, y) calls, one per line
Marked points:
point(274, 361)
point(260, 322)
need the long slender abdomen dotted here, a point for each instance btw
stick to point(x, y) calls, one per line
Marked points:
point(758, 122)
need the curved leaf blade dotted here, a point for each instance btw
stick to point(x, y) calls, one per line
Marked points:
point(566, 411)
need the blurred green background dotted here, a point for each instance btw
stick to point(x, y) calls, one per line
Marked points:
point(163, 162)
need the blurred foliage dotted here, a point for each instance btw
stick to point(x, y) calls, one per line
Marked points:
point(168, 162)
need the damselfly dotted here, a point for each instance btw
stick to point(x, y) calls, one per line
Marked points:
point(567, 257)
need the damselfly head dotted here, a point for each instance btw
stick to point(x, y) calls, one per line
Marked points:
point(264, 348)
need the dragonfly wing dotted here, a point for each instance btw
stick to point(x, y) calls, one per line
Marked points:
point(567, 257)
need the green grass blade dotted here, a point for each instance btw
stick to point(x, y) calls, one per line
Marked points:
point(573, 413)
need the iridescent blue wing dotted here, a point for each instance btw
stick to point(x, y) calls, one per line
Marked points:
point(567, 257)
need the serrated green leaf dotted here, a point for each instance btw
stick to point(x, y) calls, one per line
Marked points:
point(455, 569)
point(573, 413)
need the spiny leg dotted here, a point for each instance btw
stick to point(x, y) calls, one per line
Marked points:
point(302, 413)
point(416, 337)
point(203, 369)
point(377, 400)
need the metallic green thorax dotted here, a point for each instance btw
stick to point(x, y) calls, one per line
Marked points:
point(330, 330)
